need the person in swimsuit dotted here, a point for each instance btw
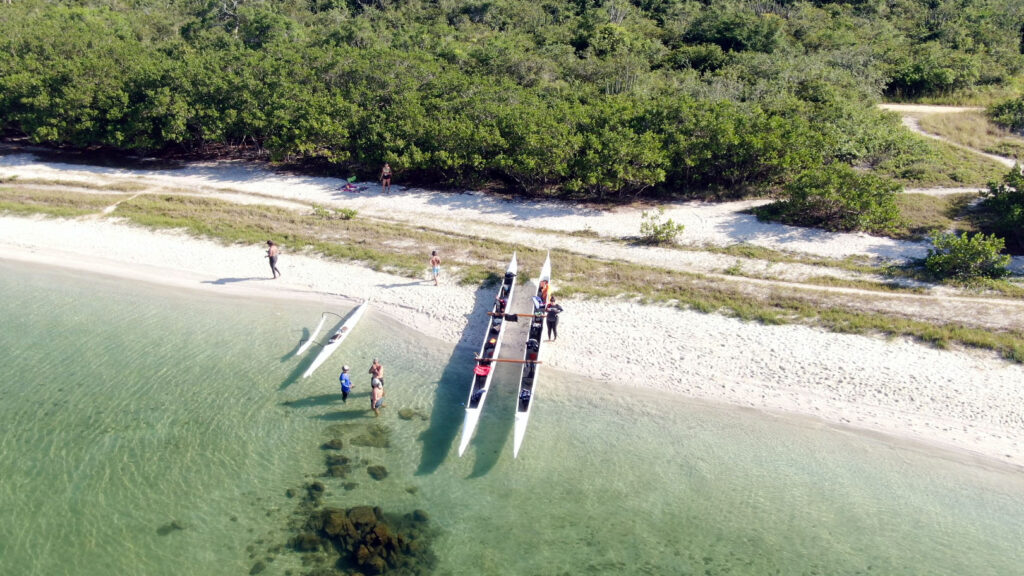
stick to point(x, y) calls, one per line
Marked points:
point(435, 264)
point(376, 396)
point(377, 372)
point(272, 252)
point(385, 177)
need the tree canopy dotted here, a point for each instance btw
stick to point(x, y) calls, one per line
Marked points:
point(597, 99)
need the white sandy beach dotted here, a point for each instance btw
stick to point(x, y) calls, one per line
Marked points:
point(969, 401)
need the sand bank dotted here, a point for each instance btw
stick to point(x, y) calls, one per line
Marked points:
point(964, 400)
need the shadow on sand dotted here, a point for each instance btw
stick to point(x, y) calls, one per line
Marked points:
point(223, 281)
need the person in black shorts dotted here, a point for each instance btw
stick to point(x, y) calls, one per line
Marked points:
point(385, 177)
point(552, 311)
point(272, 252)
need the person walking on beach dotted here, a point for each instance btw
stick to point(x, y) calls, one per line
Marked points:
point(435, 265)
point(377, 372)
point(272, 252)
point(346, 383)
point(553, 311)
point(385, 177)
point(376, 396)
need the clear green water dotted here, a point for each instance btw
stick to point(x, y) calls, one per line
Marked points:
point(126, 407)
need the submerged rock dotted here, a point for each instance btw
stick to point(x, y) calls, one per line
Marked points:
point(410, 414)
point(369, 542)
point(377, 472)
point(375, 436)
point(257, 568)
point(338, 465)
point(335, 444)
point(171, 526)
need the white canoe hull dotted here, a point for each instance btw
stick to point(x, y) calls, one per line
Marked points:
point(495, 329)
point(309, 341)
point(339, 336)
point(530, 374)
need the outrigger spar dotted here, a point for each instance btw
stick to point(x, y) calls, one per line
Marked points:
point(531, 356)
point(484, 371)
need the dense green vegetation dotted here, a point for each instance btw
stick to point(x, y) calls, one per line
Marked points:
point(589, 98)
point(966, 258)
point(1002, 210)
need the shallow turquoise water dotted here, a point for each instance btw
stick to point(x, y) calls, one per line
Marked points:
point(127, 410)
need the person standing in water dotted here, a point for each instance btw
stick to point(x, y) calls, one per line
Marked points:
point(346, 383)
point(376, 396)
point(552, 317)
point(272, 252)
point(435, 265)
point(377, 372)
point(385, 177)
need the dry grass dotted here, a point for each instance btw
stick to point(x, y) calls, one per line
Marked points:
point(923, 215)
point(972, 129)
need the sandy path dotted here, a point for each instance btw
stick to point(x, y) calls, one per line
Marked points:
point(908, 110)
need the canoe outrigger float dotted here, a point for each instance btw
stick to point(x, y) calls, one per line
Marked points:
point(338, 337)
point(312, 337)
point(531, 356)
point(483, 372)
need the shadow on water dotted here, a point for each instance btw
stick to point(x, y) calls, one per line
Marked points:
point(311, 354)
point(313, 401)
point(497, 422)
point(452, 390)
point(291, 353)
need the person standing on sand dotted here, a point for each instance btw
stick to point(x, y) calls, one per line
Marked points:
point(385, 177)
point(435, 265)
point(377, 373)
point(552, 311)
point(346, 383)
point(376, 396)
point(272, 252)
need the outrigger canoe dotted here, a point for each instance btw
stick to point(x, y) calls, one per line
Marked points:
point(531, 356)
point(484, 370)
point(336, 339)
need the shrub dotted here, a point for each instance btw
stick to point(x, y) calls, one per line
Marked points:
point(1004, 207)
point(837, 198)
point(966, 258)
point(1009, 114)
point(654, 231)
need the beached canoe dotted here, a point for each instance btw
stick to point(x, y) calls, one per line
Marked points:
point(335, 340)
point(484, 370)
point(531, 356)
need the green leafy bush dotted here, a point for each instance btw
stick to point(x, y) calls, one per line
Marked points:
point(654, 231)
point(1009, 114)
point(1004, 208)
point(837, 198)
point(965, 258)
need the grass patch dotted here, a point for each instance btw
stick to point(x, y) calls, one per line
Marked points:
point(924, 215)
point(946, 166)
point(21, 201)
point(972, 129)
point(110, 187)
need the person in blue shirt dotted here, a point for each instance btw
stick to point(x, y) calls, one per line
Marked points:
point(346, 383)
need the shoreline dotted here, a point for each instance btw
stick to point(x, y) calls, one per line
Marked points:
point(970, 402)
